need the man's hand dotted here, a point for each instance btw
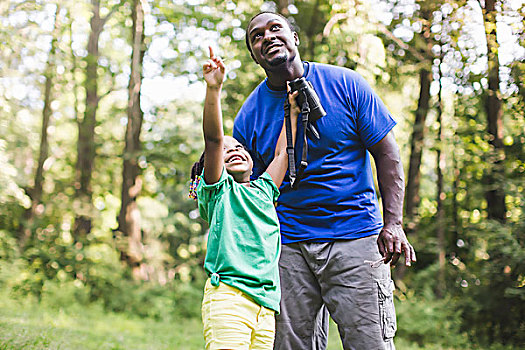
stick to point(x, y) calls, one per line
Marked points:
point(213, 70)
point(393, 242)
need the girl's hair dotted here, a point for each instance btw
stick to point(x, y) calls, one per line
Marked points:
point(196, 171)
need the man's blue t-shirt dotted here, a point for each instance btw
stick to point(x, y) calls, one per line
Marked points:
point(336, 198)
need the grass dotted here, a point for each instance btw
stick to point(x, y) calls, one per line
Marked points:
point(31, 326)
point(34, 327)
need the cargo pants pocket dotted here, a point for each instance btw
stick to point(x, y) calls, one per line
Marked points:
point(387, 311)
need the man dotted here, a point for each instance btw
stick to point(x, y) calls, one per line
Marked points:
point(331, 225)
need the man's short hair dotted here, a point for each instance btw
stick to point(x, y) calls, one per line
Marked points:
point(247, 37)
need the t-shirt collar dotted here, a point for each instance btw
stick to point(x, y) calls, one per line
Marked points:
point(281, 93)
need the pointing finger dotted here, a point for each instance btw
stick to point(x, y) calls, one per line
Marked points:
point(220, 63)
point(212, 56)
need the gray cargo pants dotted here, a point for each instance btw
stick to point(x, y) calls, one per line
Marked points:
point(317, 278)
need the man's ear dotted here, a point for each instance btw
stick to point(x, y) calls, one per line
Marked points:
point(251, 53)
point(253, 58)
point(296, 38)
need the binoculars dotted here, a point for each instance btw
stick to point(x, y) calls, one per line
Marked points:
point(311, 110)
point(307, 94)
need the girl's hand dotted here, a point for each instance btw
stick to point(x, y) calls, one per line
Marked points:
point(279, 165)
point(294, 108)
point(213, 71)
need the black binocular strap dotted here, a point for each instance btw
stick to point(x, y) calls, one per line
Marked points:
point(289, 143)
point(295, 176)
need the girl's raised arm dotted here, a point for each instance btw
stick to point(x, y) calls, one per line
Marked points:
point(213, 71)
point(279, 165)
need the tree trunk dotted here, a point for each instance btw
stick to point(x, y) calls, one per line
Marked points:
point(418, 136)
point(456, 226)
point(129, 217)
point(310, 32)
point(494, 175)
point(416, 146)
point(440, 197)
point(36, 191)
point(86, 130)
point(419, 129)
point(414, 165)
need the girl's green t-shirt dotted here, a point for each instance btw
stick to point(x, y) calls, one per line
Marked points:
point(244, 240)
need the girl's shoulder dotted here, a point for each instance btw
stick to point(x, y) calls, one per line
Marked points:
point(265, 184)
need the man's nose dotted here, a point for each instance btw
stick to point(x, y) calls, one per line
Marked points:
point(269, 35)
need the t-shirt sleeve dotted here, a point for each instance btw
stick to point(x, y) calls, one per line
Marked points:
point(266, 184)
point(207, 194)
point(373, 118)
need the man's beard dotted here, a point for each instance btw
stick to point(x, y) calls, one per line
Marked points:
point(276, 61)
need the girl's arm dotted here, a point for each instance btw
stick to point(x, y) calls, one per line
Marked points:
point(212, 119)
point(279, 165)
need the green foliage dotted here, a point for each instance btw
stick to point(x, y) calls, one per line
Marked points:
point(424, 319)
point(61, 276)
point(11, 191)
point(170, 302)
point(483, 260)
point(495, 277)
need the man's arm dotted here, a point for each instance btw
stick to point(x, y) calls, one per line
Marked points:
point(392, 240)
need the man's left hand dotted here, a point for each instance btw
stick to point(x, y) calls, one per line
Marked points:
point(393, 242)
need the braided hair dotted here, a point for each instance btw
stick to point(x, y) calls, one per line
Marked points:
point(196, 171)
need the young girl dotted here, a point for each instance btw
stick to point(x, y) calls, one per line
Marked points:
point(242, 292)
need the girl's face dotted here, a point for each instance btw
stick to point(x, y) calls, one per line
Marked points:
point(237, 160)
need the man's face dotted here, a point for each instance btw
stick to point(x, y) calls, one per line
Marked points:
point(271, 40)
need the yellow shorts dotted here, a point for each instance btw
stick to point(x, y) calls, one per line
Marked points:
point(232, 320)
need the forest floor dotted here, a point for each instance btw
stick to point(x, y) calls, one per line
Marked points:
point(31, 326)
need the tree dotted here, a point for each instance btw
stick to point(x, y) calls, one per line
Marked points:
point(440, 193)
point(35, 193)
point(129, 220)
point(419, 53)
point(86, 126)
point(494, 176)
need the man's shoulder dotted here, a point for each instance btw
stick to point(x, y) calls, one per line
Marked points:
point(250, 102)
point(245, 116)
point(326, 68)
point(338, 76)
